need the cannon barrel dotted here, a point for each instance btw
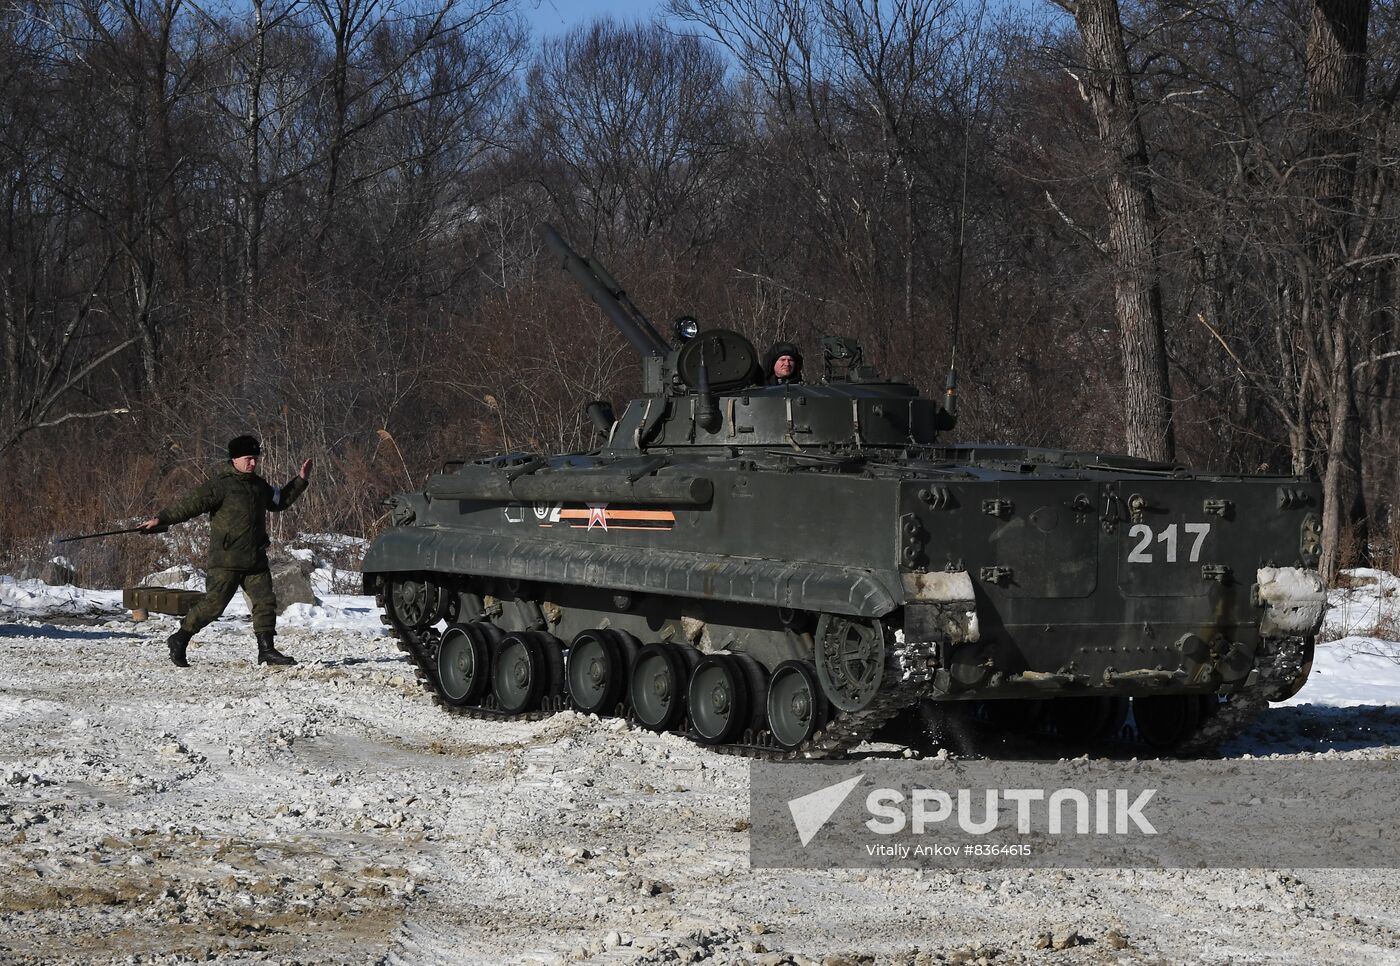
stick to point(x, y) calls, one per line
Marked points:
point(645, 339)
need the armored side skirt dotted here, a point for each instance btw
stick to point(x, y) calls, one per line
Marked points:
point(807, 586)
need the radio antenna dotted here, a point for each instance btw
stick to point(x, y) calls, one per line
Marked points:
point(950, 397)
point(950, 393)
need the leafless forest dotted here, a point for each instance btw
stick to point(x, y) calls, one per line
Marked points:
point(313, 220)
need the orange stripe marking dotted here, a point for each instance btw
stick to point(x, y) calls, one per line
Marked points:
point(665, 515)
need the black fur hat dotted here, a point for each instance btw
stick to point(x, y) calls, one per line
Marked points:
point(782, 349)
point(244, 446)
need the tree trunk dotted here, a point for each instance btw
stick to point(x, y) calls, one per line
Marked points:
point(1344, 503)
point(1336, 59)
point(253, 217)
point(1147, 403)
point(167, 158)
point(339, 19)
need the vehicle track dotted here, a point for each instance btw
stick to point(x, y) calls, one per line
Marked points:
point(846, 730)
point(842, 733)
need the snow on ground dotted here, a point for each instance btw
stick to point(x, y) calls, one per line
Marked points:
point(36, 599)
point(329, 814)
point(1370, 600)
point(1353, 665)
point(1353, 671)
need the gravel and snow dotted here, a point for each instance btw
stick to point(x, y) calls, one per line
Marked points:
point(330, 814)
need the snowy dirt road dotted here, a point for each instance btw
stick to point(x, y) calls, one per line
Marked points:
point(330, 814)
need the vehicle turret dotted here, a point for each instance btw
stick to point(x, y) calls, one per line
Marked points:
point(709, 391)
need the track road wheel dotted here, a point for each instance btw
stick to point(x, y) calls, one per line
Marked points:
point(657, 687)
point(719, 698)
point(464, 665)
point(756, 675)
point(521, 673)
point(796, 708)
point(627, 647)
point(1166, 720)
point(415, 602)
point(552, 651)
point(596, 674)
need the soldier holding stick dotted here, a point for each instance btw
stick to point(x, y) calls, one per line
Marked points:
point(237, 500)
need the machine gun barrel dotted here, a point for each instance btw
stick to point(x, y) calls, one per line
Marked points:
point(640, 333)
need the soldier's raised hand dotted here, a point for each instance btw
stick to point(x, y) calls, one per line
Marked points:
point(305, 473)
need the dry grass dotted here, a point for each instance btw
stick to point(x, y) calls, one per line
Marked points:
point(97, 486)
point(1346, 580)
point(1388, 627)
point(1349, 550)
point(1391, 556)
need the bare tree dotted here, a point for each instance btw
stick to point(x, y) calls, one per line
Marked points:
point(629, 129)
point(55, 336)
point(865, 109)
point(794, 169)
point(1108, 83)
point(1336, 57)
point(373, 44)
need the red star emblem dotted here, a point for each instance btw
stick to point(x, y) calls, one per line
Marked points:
point(598, 513)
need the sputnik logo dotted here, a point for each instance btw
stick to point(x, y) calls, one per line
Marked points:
point(811, 811)
point(598, 513)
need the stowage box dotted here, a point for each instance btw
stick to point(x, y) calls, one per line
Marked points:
point(159, 600)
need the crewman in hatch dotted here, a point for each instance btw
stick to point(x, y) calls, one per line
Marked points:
point(782, 365)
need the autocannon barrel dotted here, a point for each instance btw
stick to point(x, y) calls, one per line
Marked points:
point(639, 333)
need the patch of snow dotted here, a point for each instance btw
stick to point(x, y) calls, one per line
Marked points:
point(34, 598)
point(323, 581)
point(179, 577)
point(338, 612)
point(1353, 671)
point(342, 540)
point(335, 557)
point(1356, 669)
point(1373, 599)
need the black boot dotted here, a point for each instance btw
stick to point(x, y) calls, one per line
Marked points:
point(268, 653)
point(177, 643)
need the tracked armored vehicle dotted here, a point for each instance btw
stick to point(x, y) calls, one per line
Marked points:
point(782, 569)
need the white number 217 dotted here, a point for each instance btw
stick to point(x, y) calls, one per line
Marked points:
point(1142, 533)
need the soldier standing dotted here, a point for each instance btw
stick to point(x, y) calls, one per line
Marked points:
point(237, 499)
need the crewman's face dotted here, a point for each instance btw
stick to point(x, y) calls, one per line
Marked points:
point(784, 367)
point(245, 464)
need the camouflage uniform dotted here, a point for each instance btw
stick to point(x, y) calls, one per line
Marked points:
point(238, 504)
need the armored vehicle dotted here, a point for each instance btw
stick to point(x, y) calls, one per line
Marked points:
point(782, 569)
